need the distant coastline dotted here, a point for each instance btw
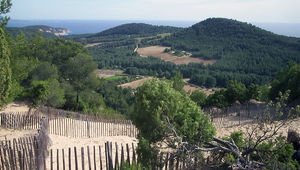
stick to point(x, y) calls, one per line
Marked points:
point(94, 26)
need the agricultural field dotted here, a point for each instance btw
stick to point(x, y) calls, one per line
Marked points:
point(101, 73)
point(158, 51)
point(135, 84)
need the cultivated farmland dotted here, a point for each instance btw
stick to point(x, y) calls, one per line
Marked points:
point(158, 51)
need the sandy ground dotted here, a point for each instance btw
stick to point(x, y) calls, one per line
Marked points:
point(158, 51)
point(107, 73)
point(226, 126)
point(15, 107)
point(59, 143)
point(10, 134)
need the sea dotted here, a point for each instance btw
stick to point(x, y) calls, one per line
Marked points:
point(94, 26)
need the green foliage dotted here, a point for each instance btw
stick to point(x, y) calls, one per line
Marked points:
point(56, 97)
point(118, 98)
point(236, 91)
point(77, 70)
point(218, 99)
point(44, 71)
point(253, 92)
point(287, 79)
point(5, 6)
point(264, 93)
point(39, 92)
point(138, 28)
point(277, 153)
point(198, 97)
point(133, 166)
point(178, 82)
point(5, 70)
point(157, 102)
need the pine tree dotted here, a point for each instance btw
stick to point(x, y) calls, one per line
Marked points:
point(5, 72)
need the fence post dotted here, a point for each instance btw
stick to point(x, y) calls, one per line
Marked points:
point(76, 161)
point(89, 158)
point(82, 158)
point(63, 157)
point(128, 157)
point(94, 149)
point(70, 167)
point(57, 159)
point(100, 157)
point(133, 153)
point(116, 158)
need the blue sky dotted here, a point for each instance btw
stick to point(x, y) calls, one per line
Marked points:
point(245, 10)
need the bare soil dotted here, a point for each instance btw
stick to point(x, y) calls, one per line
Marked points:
point(158, 51)
point(92, 44)
point(101, 73)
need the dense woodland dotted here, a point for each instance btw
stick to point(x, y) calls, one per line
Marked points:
point(60, 73)
point(244, 52)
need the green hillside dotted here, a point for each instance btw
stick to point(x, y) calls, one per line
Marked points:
point(124, 32)
point(138, 29)
point(238, 46)
point(46, 31)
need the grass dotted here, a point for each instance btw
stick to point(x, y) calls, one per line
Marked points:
point(115, 77)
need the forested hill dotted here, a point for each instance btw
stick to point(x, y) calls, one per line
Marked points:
point(220, 37)
point(138, 29)
point(46, 31)
point(124, 32)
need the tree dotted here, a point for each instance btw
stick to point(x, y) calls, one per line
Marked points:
point(236, 91)
point(78, 69)
point(210, 82)
point(44, 71)
point(178, 82)
point(287, 79)
point(157, 105)
point(5, 72)
point(198, 97)
point(4, 9)
point(253, 91)
point(263, 147)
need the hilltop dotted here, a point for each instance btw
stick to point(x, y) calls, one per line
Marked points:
point(46, 31)
point(138, 29)
point(124, 32)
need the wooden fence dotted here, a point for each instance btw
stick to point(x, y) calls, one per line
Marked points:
point(96, 157)
point(70, 127)
point(236, 114)
point(19, 121)
point(109, 157)
point(27, 153)
point(90, 128)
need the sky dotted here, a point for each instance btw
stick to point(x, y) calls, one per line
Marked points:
point(277, 11)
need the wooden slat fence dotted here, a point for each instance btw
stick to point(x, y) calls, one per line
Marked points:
point(78, 128)
point(90, 128)
point(19, 121)
point(27, 153)
point(109, 157)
